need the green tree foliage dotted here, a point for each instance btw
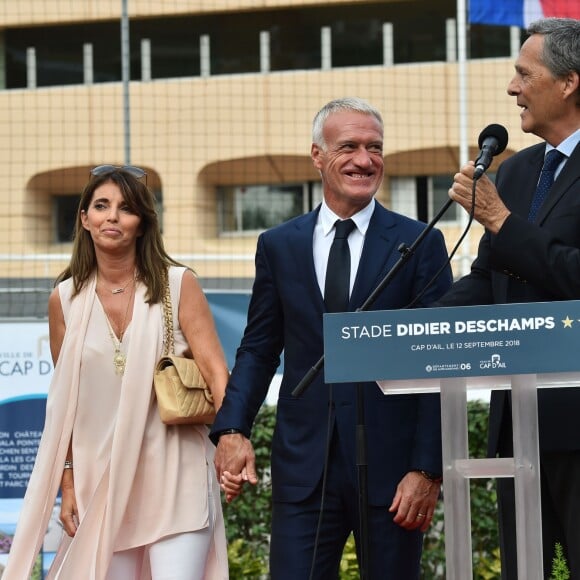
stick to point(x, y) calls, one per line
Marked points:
point(560, 569)
point(37, 570)
point(349, 565)
point(248, 517)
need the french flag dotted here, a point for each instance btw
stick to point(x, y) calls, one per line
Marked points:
point(520, 12)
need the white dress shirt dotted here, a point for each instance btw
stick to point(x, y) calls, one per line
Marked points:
point(324, 236)
point(567, 148)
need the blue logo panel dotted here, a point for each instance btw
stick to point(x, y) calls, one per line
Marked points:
point(427, 343)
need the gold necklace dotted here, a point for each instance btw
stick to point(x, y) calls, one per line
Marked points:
point(119, 357)
point(122, 288)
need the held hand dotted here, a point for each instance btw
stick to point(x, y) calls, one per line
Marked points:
point(414, 501)
point(490, 210)
point(232, 485)
point(235, 455)
point(68, 507)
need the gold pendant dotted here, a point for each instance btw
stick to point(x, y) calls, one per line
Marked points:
point(119, 360)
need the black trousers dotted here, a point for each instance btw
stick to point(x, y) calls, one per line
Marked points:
point(560, 498)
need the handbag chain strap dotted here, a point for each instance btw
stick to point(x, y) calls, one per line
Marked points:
point(168, 340)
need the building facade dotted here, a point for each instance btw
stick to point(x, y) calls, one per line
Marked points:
point(215, 99)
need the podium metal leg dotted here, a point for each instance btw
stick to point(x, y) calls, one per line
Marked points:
point(527, 477)
point(455, 486)
point(524, 468)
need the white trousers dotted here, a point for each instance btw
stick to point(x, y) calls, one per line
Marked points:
point(177, 557)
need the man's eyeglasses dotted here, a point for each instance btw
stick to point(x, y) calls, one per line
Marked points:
point(136, 172)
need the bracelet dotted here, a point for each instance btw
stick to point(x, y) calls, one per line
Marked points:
point(435, 478)
point(228, 432)
point(68, 464)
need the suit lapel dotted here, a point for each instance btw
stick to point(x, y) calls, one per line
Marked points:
point(378, 247)
point(300, 248)
point(568, 176)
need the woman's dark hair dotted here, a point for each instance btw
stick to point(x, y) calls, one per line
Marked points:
point(152, 259)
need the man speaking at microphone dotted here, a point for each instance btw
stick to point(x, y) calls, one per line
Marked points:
point(530, 252)
point(330, 260)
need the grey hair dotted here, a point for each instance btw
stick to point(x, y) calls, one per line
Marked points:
point(353, 104)
point(561, 52)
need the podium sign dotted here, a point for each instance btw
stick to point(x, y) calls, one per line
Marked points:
point(434, 343)
point(447, 350)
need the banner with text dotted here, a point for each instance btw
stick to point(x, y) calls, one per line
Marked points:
point(507, 339)
point(25, 373)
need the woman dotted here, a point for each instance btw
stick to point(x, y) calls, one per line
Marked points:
point(139, 498)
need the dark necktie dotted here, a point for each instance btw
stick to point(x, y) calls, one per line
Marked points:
point(551, 162)
point(337, 283)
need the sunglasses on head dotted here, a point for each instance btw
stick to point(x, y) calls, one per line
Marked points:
point(136, 172)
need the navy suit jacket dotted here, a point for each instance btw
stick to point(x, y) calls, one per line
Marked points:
point(285, 313)
point(528, 262)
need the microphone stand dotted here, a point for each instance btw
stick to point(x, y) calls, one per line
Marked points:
point(361, 447)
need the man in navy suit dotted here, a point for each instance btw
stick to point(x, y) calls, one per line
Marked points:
point(318, 428)
point(534, 256)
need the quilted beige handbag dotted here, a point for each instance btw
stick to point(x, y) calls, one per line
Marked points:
point(182, 393)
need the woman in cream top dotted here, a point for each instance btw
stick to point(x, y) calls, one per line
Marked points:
point(139, 498)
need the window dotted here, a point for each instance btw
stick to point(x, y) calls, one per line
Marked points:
point(489, 41)
point(422, 197)
point(438, 195)
point(250, 208)
point(65, 213)
point(357, 42)
point(404, 196)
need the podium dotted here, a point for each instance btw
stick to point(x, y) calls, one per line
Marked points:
point(518, 346)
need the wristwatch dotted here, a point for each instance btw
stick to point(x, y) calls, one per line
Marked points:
point(434, 477)
point(228, 432)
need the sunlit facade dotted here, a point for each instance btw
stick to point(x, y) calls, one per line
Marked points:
point(218, 110)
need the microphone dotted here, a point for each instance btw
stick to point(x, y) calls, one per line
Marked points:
point(492, 141)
